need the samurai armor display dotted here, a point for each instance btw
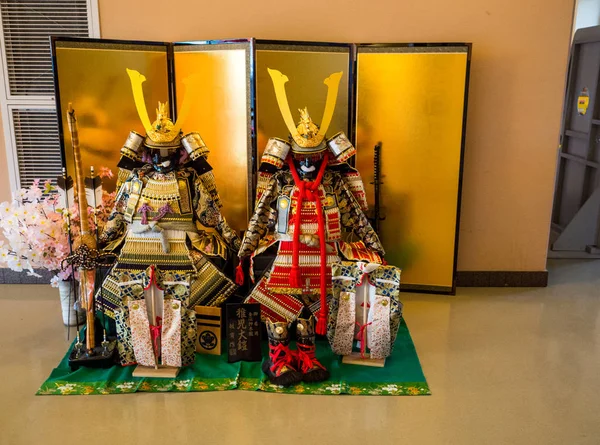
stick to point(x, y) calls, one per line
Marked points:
point(166, 218)
point(310, 204)
point(167, 212)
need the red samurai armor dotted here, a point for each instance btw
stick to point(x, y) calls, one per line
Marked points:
point(310, 203)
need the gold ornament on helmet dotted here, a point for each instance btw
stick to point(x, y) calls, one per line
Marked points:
point(162, 133)
point(307, 136)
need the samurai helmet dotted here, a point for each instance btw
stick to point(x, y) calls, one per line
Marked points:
point(162, 133)
point(306, 136)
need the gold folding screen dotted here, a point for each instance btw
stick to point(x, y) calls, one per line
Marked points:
point(221, 113)
point(91, 75)
point(412, 99)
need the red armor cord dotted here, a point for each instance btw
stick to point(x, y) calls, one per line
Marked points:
point(308, 191)
point(306, 358)
point(281, 356)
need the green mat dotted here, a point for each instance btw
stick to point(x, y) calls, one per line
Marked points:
point(402, 375)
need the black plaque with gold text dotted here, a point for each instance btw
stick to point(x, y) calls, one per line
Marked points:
point(243, 332)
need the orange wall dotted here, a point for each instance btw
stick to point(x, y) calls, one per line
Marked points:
point(517, 80)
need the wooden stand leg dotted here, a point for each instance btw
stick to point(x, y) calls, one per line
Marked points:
point(356, 359)
point(162, 372)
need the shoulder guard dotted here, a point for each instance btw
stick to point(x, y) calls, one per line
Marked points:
point(133, 146)
point(197, 151)
point(341, 147)
point(130, 156)
point(195, 146)
point(274, 156)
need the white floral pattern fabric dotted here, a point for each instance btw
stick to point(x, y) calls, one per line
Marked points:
point(171, 334)
point(140, 333)
point(345, 326)
point(378, 333)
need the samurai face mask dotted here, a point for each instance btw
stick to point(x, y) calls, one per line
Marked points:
point(165, 164)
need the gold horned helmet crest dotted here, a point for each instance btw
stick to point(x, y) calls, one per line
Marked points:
point(162, 133)
point(307, 136)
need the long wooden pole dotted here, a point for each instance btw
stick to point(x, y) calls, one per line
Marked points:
point(86, 277)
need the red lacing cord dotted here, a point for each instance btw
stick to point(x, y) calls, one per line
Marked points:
point(361, 336)
point(306, 358)
point(309, 191)
point(281, 356)
point(155, 331)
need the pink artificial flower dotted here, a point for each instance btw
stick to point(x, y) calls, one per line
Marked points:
point(106, 172)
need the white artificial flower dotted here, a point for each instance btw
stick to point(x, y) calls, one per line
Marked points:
point(4, 255)
point(54, 282)
point(16, 242)
point(9, 223)
point(19, 195)
point(16, 264)
point(5, 209)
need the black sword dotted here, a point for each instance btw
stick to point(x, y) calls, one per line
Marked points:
point(377, 187)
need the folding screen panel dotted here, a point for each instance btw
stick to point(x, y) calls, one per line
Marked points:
point(307, 65)
point(217, 75)
point(90, 73)
point(413, 100)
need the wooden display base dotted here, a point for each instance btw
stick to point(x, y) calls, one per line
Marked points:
point(163, 372)
point(356, 359)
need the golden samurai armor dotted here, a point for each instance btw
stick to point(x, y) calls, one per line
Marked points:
point(169, 231)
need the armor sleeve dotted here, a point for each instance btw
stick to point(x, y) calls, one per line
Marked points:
point(258, 226)
point(210, 186)
point(354, 219)
point(355, 185)
point(208, 210)
point(229, 235)
point(115, 224)
point(354, 182)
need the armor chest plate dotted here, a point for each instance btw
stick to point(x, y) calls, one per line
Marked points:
point(161, 190)
point(308, 214)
